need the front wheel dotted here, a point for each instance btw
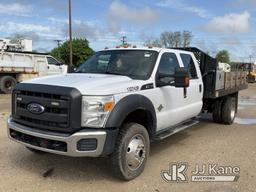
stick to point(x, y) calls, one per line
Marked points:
point(131, 151)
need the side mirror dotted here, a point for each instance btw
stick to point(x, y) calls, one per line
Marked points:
point(181, 77)
point(164, 79)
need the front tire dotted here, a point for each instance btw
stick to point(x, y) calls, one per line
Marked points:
point(131, 151)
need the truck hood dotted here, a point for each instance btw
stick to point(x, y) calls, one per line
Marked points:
point(91, 84)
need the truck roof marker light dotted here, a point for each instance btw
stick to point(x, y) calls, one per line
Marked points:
point(126, 46)
point(117, 47)
point(134, 46)
point(106, 47)
point(150, 46)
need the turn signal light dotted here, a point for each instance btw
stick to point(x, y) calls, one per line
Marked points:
point(186, 81)
point(108, 106)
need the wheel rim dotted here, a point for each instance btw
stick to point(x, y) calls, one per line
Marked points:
point(135, 152)
point(8, 84)
point(233, 111)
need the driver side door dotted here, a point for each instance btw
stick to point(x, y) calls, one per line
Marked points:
point(172, 109)
point(54, 67)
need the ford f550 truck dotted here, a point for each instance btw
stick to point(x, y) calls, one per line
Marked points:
point(119, 101)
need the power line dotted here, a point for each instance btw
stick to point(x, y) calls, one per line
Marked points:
point(124, 40)
point(58, 42)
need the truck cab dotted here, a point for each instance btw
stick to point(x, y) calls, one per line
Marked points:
point(114, 105)
point(55, 67)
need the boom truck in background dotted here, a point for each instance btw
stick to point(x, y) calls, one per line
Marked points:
point(121, 100)
point(18, 63)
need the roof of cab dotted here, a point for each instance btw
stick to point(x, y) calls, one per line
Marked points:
point(158, 49)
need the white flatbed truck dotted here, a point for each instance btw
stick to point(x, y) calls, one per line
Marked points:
point(119, 100)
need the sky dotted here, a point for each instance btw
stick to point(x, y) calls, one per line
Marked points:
point(215, 25)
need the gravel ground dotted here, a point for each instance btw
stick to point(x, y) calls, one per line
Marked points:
point(205, 143)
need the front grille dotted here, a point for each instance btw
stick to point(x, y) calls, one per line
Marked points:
point(56, 112)
point(58, 102)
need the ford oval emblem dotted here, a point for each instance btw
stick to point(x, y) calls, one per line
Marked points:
point(35, 108)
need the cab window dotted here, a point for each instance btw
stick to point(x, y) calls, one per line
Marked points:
point(167, 66)
point(189, 63)
point(52, 61)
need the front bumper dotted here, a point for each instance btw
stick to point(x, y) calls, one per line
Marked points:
point(30, 137)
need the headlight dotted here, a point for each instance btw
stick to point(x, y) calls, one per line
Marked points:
point(95, 110)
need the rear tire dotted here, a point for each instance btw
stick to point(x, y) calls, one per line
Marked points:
point(131, 151)
point(217, 111)
point(229, 110)
point(7, 83)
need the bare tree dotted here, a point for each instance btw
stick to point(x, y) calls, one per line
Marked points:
point(167, 39)
point(172, 39)
point(153, 42)
point(177, 39)
point(164, 38)
point(186, 38)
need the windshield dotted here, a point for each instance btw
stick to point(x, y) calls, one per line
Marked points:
point(136, 64)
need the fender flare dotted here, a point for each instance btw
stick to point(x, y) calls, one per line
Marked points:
point(128, 105)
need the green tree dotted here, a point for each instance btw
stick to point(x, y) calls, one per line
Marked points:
point(81, 51)
point(223, 56)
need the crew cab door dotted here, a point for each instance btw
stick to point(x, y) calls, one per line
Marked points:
point(176, 105)
point(194, 93)
point(54, 67)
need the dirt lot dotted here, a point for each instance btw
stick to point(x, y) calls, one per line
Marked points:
point(205, 143)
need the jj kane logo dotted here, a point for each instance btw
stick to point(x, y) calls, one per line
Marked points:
point(177, 172)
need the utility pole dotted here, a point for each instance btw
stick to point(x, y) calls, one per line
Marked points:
point(124, 40)
point(250, 57)
point(58, 43)
point(70, 35)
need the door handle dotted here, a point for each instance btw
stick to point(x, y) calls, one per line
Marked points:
point(200, 88)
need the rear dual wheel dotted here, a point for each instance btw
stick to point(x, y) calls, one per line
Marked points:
point(224, 110)
point(229, 110)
